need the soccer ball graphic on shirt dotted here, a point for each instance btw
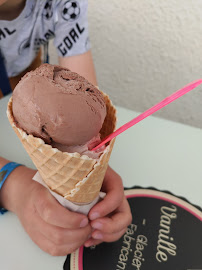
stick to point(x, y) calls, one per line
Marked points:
point(48, 10)
point(70, 10)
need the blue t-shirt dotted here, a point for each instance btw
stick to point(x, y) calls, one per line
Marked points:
point(65, 21)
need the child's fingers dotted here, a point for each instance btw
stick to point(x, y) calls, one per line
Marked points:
point(54, 213)
point(102, 237)
point(49, 247)
point(92, 242)
point(117, 222)
point(58, 235)
point(111, 237)
point(114, 195)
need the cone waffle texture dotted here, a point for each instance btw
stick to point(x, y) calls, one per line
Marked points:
point(76, 177)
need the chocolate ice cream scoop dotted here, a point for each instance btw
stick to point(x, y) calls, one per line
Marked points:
point(58, 106)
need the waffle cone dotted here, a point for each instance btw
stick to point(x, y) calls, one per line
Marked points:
point(76, 177)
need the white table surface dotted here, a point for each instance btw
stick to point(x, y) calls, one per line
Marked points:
point(156, 152)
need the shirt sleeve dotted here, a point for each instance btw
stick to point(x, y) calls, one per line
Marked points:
point(71, 27)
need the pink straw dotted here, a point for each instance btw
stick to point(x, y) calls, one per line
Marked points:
point(150, 111)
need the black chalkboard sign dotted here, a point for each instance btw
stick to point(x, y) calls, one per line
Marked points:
point(165, 234)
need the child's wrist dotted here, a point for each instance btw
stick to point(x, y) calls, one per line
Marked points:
point(14, 186)
point(5, 171)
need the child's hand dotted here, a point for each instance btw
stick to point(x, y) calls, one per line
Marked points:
point(53, 228)
point(110, 217)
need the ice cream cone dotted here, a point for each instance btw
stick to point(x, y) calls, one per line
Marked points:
point(76, 177)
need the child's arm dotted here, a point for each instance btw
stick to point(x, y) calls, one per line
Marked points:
point(81, 64)
point(53, 228)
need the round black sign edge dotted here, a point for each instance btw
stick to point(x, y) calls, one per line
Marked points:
point(164, 191)
point(154, 189)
